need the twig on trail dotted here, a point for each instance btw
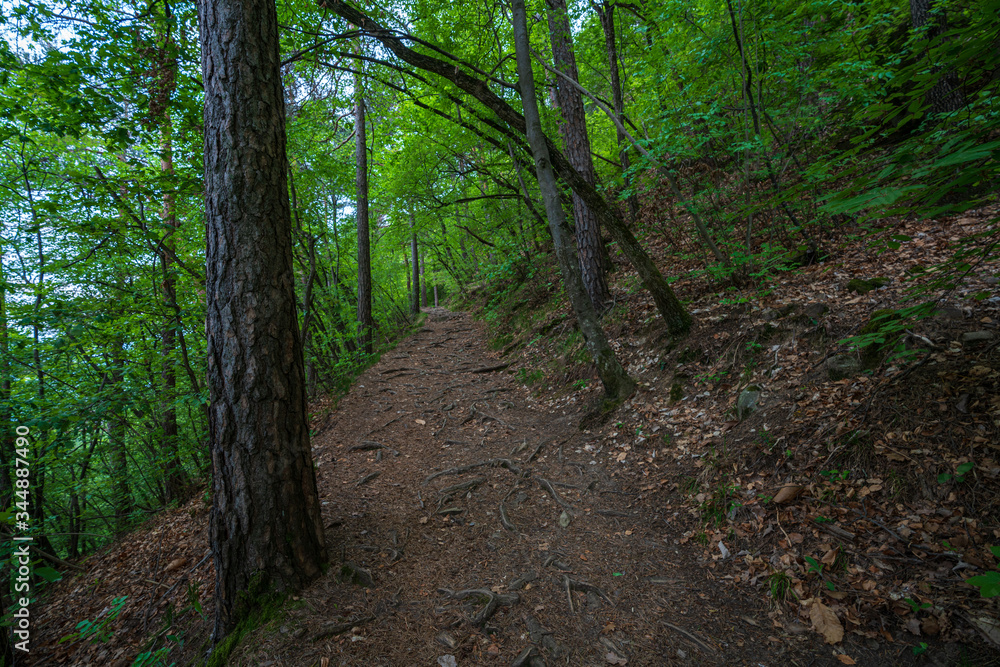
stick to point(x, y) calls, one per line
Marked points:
point(369, 445)
point(421, 500)
point(341, 627)
point(443, 424)
point(386, 424)
point(689, 636)
point(493, 463)
point(569, 593)
point(547, 485)
point(367, 478)
point(836, 531)
point(489, 369)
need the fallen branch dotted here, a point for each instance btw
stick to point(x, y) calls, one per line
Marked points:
point(367, 478)
point(689, 636)
point(490, 369)
point(341, 627)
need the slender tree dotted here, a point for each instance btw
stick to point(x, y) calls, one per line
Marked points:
point(365, 322)
point(266, 530)
point(617, 383)
point(415, 260)
point(576, 145)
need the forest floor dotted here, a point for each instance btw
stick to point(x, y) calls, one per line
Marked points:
point(470, 520)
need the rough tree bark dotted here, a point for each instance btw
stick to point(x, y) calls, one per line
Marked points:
point(365, 322)
point(617, 383)
point(576, 145)
point(266, 530)
point(946, 94)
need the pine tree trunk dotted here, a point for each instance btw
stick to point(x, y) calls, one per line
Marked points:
point(617, 383)
point(365, 322)
point(576, 145)
point(266, 530)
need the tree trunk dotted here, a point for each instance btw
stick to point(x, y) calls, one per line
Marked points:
point(946, 94)
point(7, 435)
point(415, 296)
point(117, 427)
point(266, 530)
point(176, 480)
point(617, 383)
point(606, 13)
point(576, 145)
point(365, 322)
point(423, 282)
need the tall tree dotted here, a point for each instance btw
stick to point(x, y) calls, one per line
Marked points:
point(166, 68)
point(365, 322)
point(617, 383)
point(576, 145)
point(415, 260)
point(266, 530)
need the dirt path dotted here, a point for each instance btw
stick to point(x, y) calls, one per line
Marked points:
point(491, 534)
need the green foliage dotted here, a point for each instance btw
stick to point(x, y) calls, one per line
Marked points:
point(988, 583)
point(961, 471)
point(97, 630)
point(779, 585)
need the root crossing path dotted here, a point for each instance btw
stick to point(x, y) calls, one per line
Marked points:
point(468, 524)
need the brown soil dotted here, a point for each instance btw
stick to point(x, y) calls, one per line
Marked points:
point(648, 583)
point(635, 594)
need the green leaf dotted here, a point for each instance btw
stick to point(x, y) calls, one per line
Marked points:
point(48, 574)
point(965, 467)
point(988, 584)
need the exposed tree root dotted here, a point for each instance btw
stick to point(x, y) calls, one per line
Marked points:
point(494, 602)
point(581, 587)
point(547, 485)
point(492, 463)
point(505, 520)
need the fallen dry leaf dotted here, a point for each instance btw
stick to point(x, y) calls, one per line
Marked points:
point(846, 659)
point(176, 564)
point(826, 622)
point(787, 494)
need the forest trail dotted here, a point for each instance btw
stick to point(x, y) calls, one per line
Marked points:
point(447, 489)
